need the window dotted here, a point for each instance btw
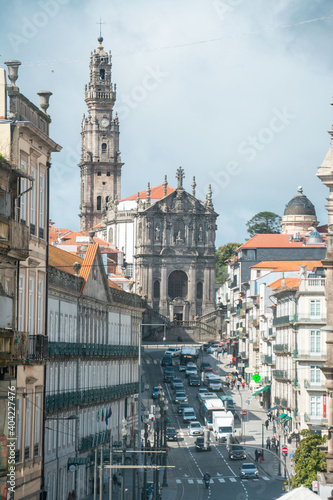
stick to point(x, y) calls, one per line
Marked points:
point(41, 205)
point(251, 254)
point(23, 201)
point(258, 273)
point(177, 284)
point(106, 200)
point(315, 337)
point(315, 375)
point(199, 290)
point(31, 305)
point(28, 419)
point(37, 425)
point(314, 308)
point(18, 430)
point(40, 310)
point(21, 303)
point(108, 174)
point(104, 147)
point(102, 74)
point(99, 174)
point(33, 203)
point(99, 202)
point(156, 290)
point(316, 406)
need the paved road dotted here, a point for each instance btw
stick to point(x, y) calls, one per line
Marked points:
point(185, 480)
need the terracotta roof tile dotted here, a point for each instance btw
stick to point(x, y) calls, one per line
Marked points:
point(287, 265)
point(156, 192)
point(63, 260)
point(88, 261)
point(288, 283)
point(273, 241)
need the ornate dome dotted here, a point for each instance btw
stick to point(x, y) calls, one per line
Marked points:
point(300, 205)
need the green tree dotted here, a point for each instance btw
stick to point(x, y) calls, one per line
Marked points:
point(264, 223)
point(308, 460)
point(222, 254)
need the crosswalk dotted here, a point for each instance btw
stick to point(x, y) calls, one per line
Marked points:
point(230, 479)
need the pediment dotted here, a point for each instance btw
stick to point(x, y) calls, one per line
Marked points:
point(178, 201)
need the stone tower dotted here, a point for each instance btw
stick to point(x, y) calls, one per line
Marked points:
point(100, 162)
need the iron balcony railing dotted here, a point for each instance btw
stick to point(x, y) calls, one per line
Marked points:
point(277, 401)
point(280, 348)
point(281, 320)
point(284, 403)
point(265, 359)
point(60, 400)
point(281, 374)
point(316, 418)
point(303, 318)
point(314, 386)
point(310, 356)
point(100, 350)
point(38, 347)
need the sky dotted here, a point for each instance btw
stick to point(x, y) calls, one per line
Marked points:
point(239, 95)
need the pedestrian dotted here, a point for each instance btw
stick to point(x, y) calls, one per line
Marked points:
point(256, 454)
point(268, 443)
point(273, 442)
point(243, 383)
point(269, 415)
point(260, 457)
point(277, 445)
point(119, 481)
point(267, 424)
point(238, 385)
point(115, 481)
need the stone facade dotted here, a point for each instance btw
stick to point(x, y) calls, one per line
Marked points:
point(100, 162)
point(175, 254)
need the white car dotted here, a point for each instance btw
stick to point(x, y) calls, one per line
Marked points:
point(195, 428)
point(172, 351)
point(191, 370)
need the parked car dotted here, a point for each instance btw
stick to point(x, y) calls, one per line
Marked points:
point(249, 470)
point(181, 407)
point(172, 351)
point(180, 397)
point(195, 428)
point(237, 452)
point(171, 434)
point(194, 380)
point(166, 361)
point(202, 445)
point(188, 415)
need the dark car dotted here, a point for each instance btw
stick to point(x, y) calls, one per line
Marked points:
point(181, 407)
point(237, 452)
point(202, 445)
point(166, 361)
point(176, 381)
point(171, 434)
point(194, 380)
point(179, 386)
point(168, 377)
point(204, 366)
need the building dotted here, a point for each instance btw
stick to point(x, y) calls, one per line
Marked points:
point(100, 162)
point(92, 373)
point(299, 215)
point(25, 143)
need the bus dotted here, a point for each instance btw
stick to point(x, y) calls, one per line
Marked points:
point(187, 354)
point(207, 407)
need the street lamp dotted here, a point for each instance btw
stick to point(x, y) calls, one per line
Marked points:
point(156, 444)
point(124, 436)
point(145, 422)
point(163, 403)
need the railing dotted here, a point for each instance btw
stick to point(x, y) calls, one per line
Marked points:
point(277, 401)
point(62, 399)
point(311, 356)
point(268, 360)
point(100, 350)
point(301, 318)
point(281, 374)
point(194, 324)
point(21, 346)
point(88, 442)
point(316, 418)
point(281, 320)
point(284, 403)
point(266, 380)
point(315, 282)
point(314, 386)
point(280, 348)
point(38, 347)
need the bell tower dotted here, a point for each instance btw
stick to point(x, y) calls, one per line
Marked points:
point(100, 162)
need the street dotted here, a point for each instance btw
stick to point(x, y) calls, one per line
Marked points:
point(185, 479)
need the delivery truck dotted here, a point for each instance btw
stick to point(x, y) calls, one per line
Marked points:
point(223, 425)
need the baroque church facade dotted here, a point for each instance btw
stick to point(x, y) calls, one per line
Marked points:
point(167, 235)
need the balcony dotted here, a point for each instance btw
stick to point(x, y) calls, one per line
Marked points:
point(281, 374)
point(88, 442)
point(281, 349)
point(38, 347)
point(61, 400)
point(303, 318)
point(267, 360)
point(277, 401)
point(244, 355)
point(64, 349)
point(314, 386)
point(310, 356)
point(316, 419)
point(281, 320)
point(284, 403)
point(266, 380)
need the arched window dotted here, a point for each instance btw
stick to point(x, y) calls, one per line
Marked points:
point(99, 202)
point(104, 147)
point(106, 202)
point(177, 284)
point(102, 74)
point(156, 290)
point(199, 290)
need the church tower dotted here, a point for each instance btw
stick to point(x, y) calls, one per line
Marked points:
point(100, 162)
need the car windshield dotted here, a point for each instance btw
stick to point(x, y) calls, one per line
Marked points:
point(195, 424)
point(237, 448)
point(171, 430)
point(248, 466)
point(200, 440)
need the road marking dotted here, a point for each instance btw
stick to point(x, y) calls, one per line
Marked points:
point(232, 479)
point(190, 481)
point(199, 481)
point(178, 481)
point(265, 478)
point(221, 480)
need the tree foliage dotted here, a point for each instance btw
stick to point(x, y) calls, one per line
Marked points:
point(222, 254)
point(308, 460)
point(264, 223)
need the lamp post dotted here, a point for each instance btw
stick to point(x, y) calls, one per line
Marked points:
point(262, 440)
point(156, 445)
point(124, 436)
point(145, 422)
point(163, 403)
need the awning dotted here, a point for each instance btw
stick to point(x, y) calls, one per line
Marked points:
point(262, 389)
point(282, 415)
point(286, 418)
point(273, 408)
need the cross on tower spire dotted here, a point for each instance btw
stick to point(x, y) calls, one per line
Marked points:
point(100, 28)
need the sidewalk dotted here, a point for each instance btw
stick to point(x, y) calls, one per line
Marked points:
point(254, 430)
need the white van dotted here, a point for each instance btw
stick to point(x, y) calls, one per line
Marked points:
point(189, 415)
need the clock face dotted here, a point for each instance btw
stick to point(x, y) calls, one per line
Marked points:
point(104, 122)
